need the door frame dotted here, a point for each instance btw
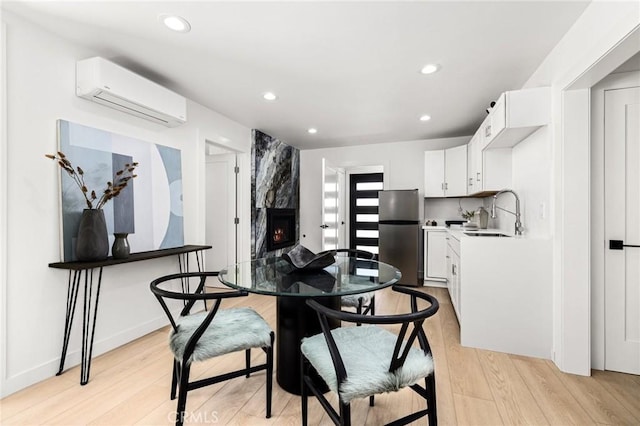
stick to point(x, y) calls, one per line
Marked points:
point(572, 201)
point(243, 200)
point(353, 207)
point(3, 207)
point(598, 243)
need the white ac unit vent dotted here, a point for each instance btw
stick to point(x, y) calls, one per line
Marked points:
point(109, 84)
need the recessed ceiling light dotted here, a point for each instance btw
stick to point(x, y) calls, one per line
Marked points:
point(313, 131)
point(270, 96)
point(430, 68)
point(175, 23)
point(425, 117)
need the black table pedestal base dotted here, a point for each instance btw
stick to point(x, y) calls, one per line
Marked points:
point(295, 321)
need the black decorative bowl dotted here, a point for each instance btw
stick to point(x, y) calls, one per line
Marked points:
point(304, 259)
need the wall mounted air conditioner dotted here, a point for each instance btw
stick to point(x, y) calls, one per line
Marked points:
point(109, 84)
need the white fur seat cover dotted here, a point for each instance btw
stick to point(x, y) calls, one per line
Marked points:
point(366, 352)
point(230, 330)
point(351, 300)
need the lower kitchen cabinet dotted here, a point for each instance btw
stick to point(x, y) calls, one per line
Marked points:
point(453, 273)
point(435, 251)
point(503, 300)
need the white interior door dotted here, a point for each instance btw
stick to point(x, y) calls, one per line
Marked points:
point(342, 208)
point(330, 207)
point(220, 211)
point(622, 226)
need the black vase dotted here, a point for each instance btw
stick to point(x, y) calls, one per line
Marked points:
point(92, 242)
point(120, 248)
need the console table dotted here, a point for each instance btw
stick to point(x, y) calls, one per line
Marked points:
point(78, 270)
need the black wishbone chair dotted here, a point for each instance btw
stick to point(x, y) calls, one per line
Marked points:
point(364, 303)
point(359, 362)
point(208, 334)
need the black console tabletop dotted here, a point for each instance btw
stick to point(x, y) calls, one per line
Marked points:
point(133, 257)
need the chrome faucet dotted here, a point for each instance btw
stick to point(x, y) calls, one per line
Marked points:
point(519, 227)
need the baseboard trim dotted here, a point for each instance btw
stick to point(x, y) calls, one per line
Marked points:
point(439, 284)
point(48, 369)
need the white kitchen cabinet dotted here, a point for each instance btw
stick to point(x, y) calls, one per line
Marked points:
point(474, 165)
point(504, 298)
point(449, 271)
point(446, 172)
point(504, 293)
point(489, 170)
point(434, 173)
point(515, 116)
point(454, 274)
point(483, 141)
point(455, 170)
point(435, 251)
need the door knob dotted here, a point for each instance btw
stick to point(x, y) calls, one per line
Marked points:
point(323, 226)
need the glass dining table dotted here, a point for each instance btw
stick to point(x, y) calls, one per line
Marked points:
point(274, 276)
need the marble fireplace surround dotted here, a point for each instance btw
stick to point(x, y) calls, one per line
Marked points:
point(275, 183)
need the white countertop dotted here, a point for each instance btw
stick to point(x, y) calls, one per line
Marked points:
point(458, 232)
point(435, 228)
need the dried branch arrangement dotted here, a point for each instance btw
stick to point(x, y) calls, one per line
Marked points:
point(113, 189)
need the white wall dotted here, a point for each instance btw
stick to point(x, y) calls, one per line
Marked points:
point(442, 209)
point(592, 48)
point(403, 164)
point(41, 82)
point(531, 180)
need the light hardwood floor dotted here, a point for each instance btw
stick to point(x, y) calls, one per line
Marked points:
point(130, 385)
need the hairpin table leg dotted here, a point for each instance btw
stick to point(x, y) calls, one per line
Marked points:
point(90, 312)
point(72, 297)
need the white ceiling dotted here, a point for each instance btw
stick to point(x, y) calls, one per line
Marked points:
point(350, 69)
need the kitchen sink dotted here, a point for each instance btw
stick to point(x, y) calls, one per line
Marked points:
point(485, 234)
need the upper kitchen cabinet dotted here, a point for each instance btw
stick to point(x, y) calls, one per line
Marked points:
point(488, 171)
point(445, 172)
point(474, 165)
point(515, 116)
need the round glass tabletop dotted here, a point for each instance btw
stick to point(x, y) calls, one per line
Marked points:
point(277, 277)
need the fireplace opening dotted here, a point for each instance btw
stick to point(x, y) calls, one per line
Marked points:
point(281, 228)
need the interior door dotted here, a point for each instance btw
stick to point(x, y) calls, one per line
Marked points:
point(622, 227)
point(220, 228)
point(342, 208)
point(330, 207)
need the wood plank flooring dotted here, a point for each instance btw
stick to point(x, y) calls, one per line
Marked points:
point(130, 385)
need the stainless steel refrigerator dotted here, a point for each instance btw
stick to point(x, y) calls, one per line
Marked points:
point(399, 237)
